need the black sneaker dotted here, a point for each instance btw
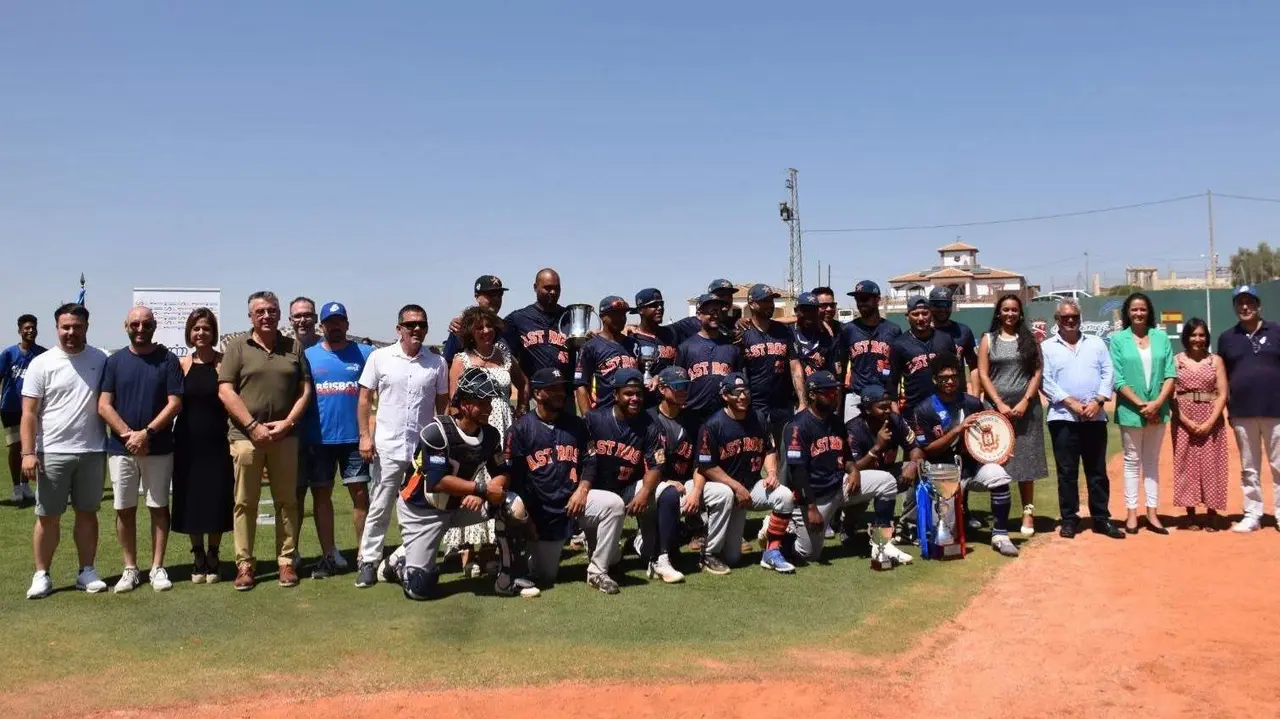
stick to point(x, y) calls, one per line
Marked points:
point(324, 569)
point(604, 583)
point(711, 564)
point(368, 575)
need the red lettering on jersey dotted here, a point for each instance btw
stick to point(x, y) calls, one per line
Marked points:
point(566, 453)
point(752, 444)
point(720, 368)
point(617, 362)
point(699, 369)
point(731, 449)
point(919, 363)
point(529, 339)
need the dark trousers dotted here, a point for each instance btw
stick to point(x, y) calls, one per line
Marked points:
point(1074, 444)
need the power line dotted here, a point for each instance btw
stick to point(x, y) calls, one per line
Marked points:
point(1246, 197)
point(1035, 218)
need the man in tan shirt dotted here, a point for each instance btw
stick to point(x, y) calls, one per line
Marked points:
point(264, 382)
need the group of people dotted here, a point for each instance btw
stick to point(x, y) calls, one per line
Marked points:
point(516, 438)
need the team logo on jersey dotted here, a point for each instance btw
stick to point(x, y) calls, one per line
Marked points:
point(436, 459)
point(794, 446)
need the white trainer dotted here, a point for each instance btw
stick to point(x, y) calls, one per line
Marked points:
point(89, 581)
point(129, 581)
point(1246, 525)
point(662, 569)
point(897, 555)
point(160, 579)
point(41, 586)
point(339, 562)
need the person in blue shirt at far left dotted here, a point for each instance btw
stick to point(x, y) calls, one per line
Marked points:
point(333, 432)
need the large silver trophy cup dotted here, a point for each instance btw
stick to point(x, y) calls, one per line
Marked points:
point(578, 322)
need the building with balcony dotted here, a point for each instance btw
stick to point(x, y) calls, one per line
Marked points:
point(971, 283)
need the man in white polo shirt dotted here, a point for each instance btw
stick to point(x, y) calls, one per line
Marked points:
point(411, 385)
point(62, 446)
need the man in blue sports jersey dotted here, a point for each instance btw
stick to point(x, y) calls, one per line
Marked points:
point(707, 356)
point(333, 432)
point(13, 367)
point(911, 353)
point(488, 293)
point(604, 353)
point(766, 360)
point(655, 345)
point(865, 343)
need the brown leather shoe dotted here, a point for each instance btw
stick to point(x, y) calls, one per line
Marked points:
point(288, 575)
point(244, 576)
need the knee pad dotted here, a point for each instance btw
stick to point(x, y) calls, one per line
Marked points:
point(419, 584)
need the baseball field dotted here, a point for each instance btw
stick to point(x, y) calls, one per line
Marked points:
point(1164, 626)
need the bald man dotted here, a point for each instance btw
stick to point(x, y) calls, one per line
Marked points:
point(141, 396)
point(533, 332)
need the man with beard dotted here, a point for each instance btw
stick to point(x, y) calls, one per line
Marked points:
point(766, 360)
point(722, 290)
point(625, 456)
point(547, 450)
point(606, 352)
point(880, 439)
point(13, 367)
point(488, 293)
point(911, 353)
point(302, 317)
point(535, 329)
point(812, 346)
point(707, 356)
point(141, 396)
point(828, 310)
point(655, 345)
point(865, 342)
point(826, 480)
point(733, 447)
point(966, 347)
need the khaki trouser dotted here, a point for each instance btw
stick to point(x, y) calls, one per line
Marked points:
point(280, 460)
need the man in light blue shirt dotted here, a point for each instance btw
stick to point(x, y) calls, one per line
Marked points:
point(1077, 383)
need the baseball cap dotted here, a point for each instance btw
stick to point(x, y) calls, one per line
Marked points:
point(332, 309)
point(820, 380)
point(626, 376)
point(647, 296)
point(489, 283)
point(721, 285)
point(806, 299)
point(547, 377)
point(708, 298)
point(733, 381)
point(613, 303)
point(762, 292)
point(940, 296)
point(873, 393)
point(674, 377)
point(865, 287)
point(1250, 290)
point(917, 301)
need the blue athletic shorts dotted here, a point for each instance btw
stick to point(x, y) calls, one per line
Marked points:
point(322, 462)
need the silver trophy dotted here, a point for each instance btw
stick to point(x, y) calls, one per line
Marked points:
point(578, 322)
point(648, 357)
point(879, 561)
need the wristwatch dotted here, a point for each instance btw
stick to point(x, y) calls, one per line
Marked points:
point(150, 432)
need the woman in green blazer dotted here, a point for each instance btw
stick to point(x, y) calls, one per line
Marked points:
point(1143, 359)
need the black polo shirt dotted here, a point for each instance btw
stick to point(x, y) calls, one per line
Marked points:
point(1253, 370)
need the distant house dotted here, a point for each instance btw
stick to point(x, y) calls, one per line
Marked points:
point(784, 306)
point(971, 283)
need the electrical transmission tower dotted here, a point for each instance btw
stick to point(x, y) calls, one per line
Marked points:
point(790, 213)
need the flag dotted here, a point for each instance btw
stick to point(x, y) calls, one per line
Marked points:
point(80, 299)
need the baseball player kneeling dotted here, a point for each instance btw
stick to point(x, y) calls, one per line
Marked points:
point(447, 490)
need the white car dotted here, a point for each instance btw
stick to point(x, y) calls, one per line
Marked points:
point(1059, 295)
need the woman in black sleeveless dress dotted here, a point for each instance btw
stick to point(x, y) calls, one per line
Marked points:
point(203, 483)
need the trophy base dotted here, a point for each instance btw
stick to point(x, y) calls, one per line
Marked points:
point(947, 551)
point(881, 565)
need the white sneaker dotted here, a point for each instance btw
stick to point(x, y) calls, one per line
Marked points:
point(18, 496)
point(663, 569)
point(160, 580)
point(897, 555)
point(129, 581)
point(1246, 525)
point(339, 562)
point(89, 581)
point(41, 586)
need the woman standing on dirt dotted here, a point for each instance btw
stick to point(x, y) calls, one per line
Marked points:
point(1199, 431)
point(1010, 369)
point(1143, 359)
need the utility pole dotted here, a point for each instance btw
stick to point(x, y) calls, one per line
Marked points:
point(1088, 279)
point(790, 213)
point(1213, 258)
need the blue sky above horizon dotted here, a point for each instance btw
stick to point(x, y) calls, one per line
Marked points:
point(385, 153)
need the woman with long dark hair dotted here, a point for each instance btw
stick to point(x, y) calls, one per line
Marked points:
point(1010, 369)
point(1199, 430)
point(1142, 357)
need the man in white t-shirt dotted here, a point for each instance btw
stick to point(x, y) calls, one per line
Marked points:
point(411, 386)
point(63, 443)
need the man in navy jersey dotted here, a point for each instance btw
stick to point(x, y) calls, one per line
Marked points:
point(707, 356)
point(828, 311)
point(689, 326)
point(655, 345)
point(880, 439)
point(13, 367)
point(535, 330)
point(812, 346)
point(625, 455)
point(606, 352)
point(547, 451)
point(734, 448)
point(966, 347)
point(865, 343)
point(826, 481)
point(911, 352)
point(766, 360)
point(489, 291)
point(940, 423)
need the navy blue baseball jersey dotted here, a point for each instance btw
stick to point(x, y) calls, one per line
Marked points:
point(598, 359)
point(766, 358)
point(861, 438)
point(933, 418)
point(546, 461)
point(816, 351)
point(619, 451)
point(816, 447)
point(736, 446)
point(966, 348)
point(658, 351)
point(536, 338)
point(677, 447)
point(685, 328)
point(706, 361)
point(444, 449)
point(909, 359)
point(867, 350)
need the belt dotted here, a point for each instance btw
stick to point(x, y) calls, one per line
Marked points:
point(1198, 396)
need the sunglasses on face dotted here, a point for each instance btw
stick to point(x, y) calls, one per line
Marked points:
point(826, 305)
point(1069, 319)
point(414, 325)
point(142, 325)
point(736, 392)
point(948, 378)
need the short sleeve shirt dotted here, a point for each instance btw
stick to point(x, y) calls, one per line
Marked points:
point(268, 382)
point(407, 388)
point(140, 386)
point(620, 452)
point(737, 447)
point(861, 438)
point(706, 361)
point(546, 460)
point(1253, 370)
point(766, 358)
point(336, 381)
point(67, 387)
point(13, 367)
point(817, 445)
point(868, 352)
point(598, 359)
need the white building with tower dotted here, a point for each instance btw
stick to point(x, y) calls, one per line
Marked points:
point(971, 283)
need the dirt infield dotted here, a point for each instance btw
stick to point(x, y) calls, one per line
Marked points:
point(1180, 625)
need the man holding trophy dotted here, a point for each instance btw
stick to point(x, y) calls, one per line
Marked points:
point(655, 345)
point(603, 354)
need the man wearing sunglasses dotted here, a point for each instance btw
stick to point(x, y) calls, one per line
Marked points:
point(655, 345)
point(1078, 383)
point(141, 396)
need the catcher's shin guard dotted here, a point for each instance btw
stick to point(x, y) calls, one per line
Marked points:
point(419, 584)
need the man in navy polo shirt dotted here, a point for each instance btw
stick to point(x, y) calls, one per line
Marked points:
point(489, 291)
point(911, 353)
point(689, 326)
point(707, 357)
point(766, 360)
point(534, 331)
point(966, 347)
point(655, 345)
point(1251, 353)
point(865, 342)
point(606, 352)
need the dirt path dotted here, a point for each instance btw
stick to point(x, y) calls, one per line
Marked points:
point(1150, 626)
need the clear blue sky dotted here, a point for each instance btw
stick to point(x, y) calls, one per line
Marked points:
point(384, 153)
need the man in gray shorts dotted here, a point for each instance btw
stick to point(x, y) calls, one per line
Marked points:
point(62, 446)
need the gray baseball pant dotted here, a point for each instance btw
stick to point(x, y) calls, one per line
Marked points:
point(873, 485)
point(601, 521)
point(421, 529)
point(728, 542)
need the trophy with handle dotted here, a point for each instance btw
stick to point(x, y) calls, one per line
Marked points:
point(945, 520)
point(648, 356)
point(578, 322)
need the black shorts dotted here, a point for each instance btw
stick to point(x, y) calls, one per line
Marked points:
point(10, 419)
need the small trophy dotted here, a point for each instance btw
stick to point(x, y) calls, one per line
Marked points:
point(648, 357)
point(879, 562)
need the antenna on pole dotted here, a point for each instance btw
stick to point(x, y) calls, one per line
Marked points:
point(789, 211)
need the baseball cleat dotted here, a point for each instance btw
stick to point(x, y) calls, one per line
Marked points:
point(773, 559)
point(712, 564)
point(604, 583)
point(367, 576)
point(663, 569)
point(897, 555)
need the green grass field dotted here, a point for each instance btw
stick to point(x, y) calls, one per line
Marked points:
point(201, 642)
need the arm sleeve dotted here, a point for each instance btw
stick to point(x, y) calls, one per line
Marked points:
point(304, 368)
point(442, 379)
point(895, 370)
point(173, 378)
point(583, 371)
point(33, 383)
point(856, 448)
point(909, 437)
point(797, 462)
point(497, 464)
point(708, 447)
point(369, 375)
point(1170, 372)
point(108, 381)
point(229, 370)
point(514, 456)
point(1047, 382)
point(1107, 370)
point(1115, 355)
point(655, 443)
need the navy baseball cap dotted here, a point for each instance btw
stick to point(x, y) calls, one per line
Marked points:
point(614, 303)
point(917, 301)
point(806, 299)
point(332, 309)
point(762, 292)
point(733, 381)
point(626, 376)
point(707, 299)
point(1250, 290)
point(489, 283)
point(674, 377)
point(821, 380)
point(721, 285)
point(865, 287)
point(873, 393)
point(940, 296)
point(547, 377)
point(648, 296)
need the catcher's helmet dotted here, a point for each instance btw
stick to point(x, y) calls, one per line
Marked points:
point(475, 383)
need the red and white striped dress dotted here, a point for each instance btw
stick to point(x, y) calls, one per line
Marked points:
point(1199, 463)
